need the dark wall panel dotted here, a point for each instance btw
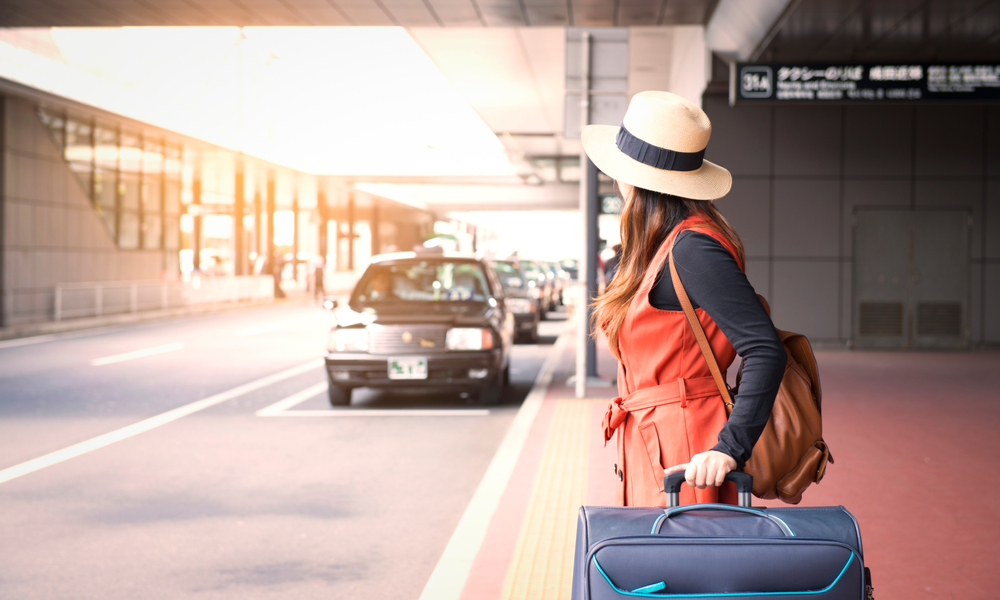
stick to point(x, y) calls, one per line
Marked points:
point(877, 141)
point(748, 209)
point(801, 171)
point(807, 141)
point(741, 137)
point(806, 218)
point(949, 141)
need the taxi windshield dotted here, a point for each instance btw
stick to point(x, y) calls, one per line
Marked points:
point(422, 281)
point(509, 274)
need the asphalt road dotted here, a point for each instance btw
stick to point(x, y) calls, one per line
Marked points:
point(223, 503)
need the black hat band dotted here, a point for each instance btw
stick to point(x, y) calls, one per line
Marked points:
point(654, 156)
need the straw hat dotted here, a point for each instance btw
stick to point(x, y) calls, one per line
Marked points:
point(660, 146)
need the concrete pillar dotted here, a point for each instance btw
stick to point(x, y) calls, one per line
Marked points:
point(271, 257)
point(375, 224)
point(239, 252)
point(295, 237)
point(196, 230)
point(350, 232)
point(321, 210)
point(582, 312)
point(256, 221)
point(4, 317)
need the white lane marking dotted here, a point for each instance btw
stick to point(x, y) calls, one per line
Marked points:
point(38, 339)
point(117, 358)
point(280, 409)
point(261, 329)
point(286, 403)
point(143, 426)
point(448, 578)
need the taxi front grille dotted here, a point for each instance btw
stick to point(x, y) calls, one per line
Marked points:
point(402, 339)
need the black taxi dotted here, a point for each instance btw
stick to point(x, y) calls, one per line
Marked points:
point(422, 321)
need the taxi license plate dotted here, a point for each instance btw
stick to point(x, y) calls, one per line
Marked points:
point(408, 368)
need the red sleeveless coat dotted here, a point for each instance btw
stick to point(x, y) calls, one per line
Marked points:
point(669, 407)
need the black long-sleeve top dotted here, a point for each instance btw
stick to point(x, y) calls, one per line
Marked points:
point(714, 282)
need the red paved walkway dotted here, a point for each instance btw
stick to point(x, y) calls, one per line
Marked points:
point(915, 442)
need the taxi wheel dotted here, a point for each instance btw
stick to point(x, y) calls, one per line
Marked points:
point(493, 392)
point(339, 396)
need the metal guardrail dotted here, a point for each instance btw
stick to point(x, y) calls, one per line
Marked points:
point(97, 299)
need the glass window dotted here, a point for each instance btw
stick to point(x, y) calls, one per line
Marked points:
point(151, 231)
point(82, 172)
point(128, 189)
point(152, 158)
point(78, 143)
point(421, 281)
point(54, 123)
point(151, 192)
point(128, 237)
point(172, 229)
point(104, 196)
point(106, 148)
point(510, 275)
point(173, 197)
point(131, 153)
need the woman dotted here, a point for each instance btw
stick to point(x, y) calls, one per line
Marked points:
point(670, 415)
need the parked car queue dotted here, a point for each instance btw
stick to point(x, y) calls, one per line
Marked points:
point(437, 321)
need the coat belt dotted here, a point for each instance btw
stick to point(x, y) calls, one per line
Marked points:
point(680, 390)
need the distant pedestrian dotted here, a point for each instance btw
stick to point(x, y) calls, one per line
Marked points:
point(319, 291)
point(670, 415)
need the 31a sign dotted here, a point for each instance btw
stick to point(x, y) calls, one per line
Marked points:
point(882, 82)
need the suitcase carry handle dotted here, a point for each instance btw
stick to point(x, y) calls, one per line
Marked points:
point(744, 486)
point(676, 510)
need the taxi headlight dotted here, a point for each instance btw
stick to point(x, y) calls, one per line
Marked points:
point(520, 305)
point(469, 338)
point(348, 340)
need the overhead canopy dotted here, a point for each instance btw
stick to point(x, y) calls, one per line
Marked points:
point(404, 13)
point(468, 99)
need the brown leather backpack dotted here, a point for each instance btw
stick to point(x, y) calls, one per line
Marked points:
point(790, 454)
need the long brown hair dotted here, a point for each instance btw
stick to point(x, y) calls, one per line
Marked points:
point(647, 218)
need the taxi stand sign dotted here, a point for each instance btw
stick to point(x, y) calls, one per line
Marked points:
point(883, 82)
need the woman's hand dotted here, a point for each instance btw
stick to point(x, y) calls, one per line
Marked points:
point(707, 469)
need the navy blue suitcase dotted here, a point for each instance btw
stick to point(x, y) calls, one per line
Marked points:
point(718, 551)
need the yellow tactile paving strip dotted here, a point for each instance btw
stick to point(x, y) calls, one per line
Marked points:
point(542, 567)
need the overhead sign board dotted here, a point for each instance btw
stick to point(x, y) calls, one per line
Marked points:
point(883, 82)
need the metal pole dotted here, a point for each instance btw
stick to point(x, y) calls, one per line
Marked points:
point(592, 241)
point(582, 327)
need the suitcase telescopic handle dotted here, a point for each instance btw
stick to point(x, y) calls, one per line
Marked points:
point(744, 487)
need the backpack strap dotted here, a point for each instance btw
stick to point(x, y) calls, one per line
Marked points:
point(699, 332)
